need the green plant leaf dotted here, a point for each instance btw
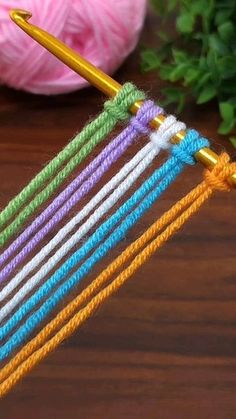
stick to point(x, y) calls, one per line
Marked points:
point(212, 62)
point(181, 103)
point(165, 71)
point(201, 56)
point(178, 72)
point(179, 56)
point(203, 63)
point(233, 141)
point(202, 7)
point(174, 95)
point(226, 31)
point(207, 93)
point(226, 127)
point(217, 45)
point(227, 66)
point(226, 111)
point(185, 23)
point(150, 60)
point(203, 80)
point(191, 76)
point(222, 16)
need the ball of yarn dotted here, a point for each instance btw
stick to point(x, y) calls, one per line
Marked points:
point(102, 31)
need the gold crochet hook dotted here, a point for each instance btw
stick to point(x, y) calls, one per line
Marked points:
point(97, 77)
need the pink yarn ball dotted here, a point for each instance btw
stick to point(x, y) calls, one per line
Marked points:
point(103, 31)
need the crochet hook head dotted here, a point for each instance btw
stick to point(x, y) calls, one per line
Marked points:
point(95, 76)
point(20, 16)
point(65, 54)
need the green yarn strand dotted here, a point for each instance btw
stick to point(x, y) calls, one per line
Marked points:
point(76, 151)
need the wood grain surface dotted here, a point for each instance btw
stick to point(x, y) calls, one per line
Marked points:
point(165, 345)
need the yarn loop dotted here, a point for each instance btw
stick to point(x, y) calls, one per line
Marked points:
point(118, 108)
point(146, 112)
point(191, 144)
point(217, 178)
point(169, 128)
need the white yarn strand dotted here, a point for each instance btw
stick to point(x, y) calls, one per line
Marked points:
point(122, 182)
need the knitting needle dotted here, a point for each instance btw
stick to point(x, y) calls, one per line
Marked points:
point(97, 77)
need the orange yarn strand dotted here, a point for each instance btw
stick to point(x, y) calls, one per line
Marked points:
point(25, 360)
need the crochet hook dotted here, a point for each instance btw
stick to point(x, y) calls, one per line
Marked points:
point(97, 77)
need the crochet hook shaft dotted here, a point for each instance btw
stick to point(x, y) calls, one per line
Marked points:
point(96, 77)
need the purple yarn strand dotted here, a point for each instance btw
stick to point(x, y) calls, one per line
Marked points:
point(70, 196)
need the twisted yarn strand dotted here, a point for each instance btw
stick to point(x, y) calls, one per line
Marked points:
point(26, 359)
point(182, 155)
point(114, 110)
point(142, 156)
point(142, 159)
point(133, 128)
point(119, 145)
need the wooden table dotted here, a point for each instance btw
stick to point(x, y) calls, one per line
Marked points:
point(165, 345)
